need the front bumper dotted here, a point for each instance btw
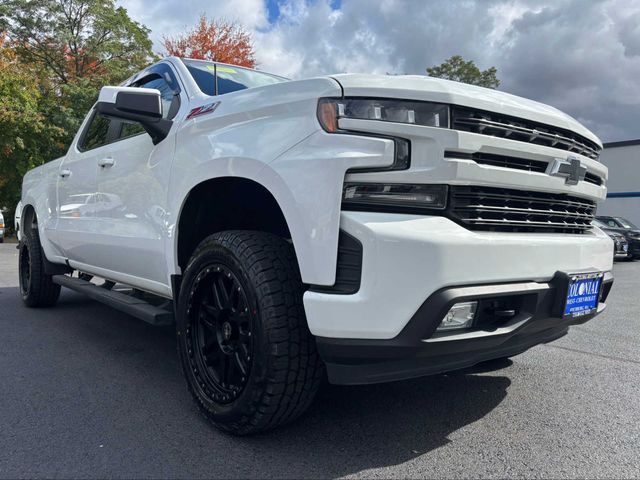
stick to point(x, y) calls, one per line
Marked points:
point(415, 267)
point(406, 258)
point(634, 247)
point(621, 249)
point(418, 350)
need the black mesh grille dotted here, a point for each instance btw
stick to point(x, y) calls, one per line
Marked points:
point(591, 178)
point(497, 125)
point(507, 210)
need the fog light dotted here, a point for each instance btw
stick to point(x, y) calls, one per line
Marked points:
point(460, 316)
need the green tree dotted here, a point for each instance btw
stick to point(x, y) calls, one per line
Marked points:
point(27, 134)
point(458, 69)
point(77, 38)
point(81, 44)
point(56, 56)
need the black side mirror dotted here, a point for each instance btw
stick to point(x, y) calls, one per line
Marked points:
point(142, 105)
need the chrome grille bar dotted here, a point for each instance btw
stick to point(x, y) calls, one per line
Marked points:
point(493, 124)
point(498, 209)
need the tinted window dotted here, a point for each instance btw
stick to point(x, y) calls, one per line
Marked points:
point(130, 129)
point(166, 92)
point(626, 223)
point(96, 133)
point(205, 79)
point(230, 78)
point(612, 223)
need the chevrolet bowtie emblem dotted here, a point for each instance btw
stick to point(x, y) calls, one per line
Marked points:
point(570, 168)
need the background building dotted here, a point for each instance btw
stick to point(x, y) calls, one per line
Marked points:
point(623, 198)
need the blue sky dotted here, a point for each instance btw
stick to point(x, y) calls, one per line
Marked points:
point(273, 8)
point(581, 56)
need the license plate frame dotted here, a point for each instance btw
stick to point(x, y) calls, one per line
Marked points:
point(582, 294)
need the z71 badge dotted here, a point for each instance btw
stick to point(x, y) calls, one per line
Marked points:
point(203, 110)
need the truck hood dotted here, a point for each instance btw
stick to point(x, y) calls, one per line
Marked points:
point(419, 87)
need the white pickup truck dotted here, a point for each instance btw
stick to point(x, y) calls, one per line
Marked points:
point(371, 227)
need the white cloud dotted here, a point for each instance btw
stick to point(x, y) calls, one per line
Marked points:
point(166, 18)
point(581, 56)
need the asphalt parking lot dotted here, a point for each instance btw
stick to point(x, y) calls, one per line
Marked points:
point(89, 392)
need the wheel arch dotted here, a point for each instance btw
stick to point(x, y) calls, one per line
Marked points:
point(29, 221)
point(27, 217)
point(226, 203)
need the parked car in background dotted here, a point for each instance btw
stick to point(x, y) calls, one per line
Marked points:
point(626, 228)
point(1, 228)
point(16, 219)
point(620, 245)
point(620, 242)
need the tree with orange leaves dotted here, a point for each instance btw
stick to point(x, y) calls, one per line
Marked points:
point(216, 40)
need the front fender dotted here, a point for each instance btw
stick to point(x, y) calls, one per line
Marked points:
point(306, 182)
point(309, 184)
point(271, 135)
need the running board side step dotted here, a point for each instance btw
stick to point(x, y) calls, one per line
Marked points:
point(135, 307)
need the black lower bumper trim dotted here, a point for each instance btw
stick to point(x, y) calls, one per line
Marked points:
point(419, 350)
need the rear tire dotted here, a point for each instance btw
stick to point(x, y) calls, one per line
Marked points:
point(246, 352)
point(36, 287)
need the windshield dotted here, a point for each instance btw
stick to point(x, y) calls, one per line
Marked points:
point(625, 223)
point(230, 78)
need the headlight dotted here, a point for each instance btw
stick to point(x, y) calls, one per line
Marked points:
point(394, 196)
point(398, 111)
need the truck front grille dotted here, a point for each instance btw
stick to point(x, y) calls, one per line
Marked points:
point(592, 178)
point(515, 163)
point(497, 125)
point(507, 210)
point(504, 161)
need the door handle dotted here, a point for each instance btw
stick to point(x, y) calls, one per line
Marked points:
point(106, 162)
point(65, 173)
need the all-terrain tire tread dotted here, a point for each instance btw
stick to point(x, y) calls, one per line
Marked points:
point(295, 370)
point(43, 292)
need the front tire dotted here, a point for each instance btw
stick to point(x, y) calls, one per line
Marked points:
point(36, 287)
point(246, 352)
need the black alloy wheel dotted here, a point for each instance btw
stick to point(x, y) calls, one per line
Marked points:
point(219, 334)
point(36, 286)
point(24, 268)
point(248, 357)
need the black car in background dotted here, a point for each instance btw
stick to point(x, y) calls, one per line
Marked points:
point(620, 243)
point(626, 228)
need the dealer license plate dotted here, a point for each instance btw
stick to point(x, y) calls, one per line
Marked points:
point(583, 294)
